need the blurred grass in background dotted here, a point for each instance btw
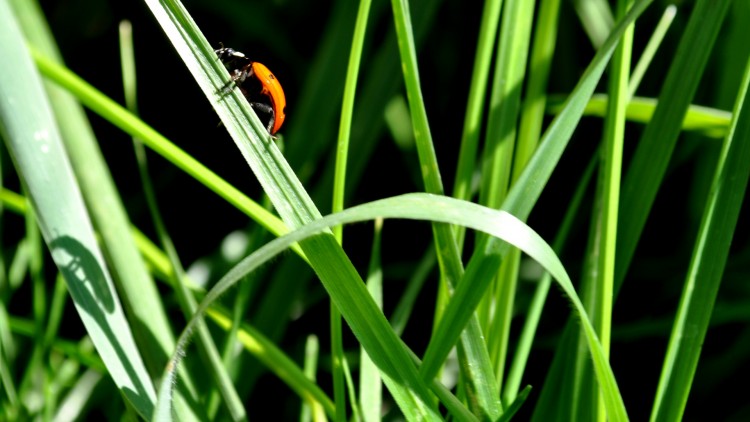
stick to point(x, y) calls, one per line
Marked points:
point(666, 172)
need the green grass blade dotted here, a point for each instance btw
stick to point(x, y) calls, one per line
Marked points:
point(657, 142)
point(347, 108)
point(515, 406)
point(535, 100)
point(510, 70)
point(467, 155)
point(312, 410)
point(34, 141)
point(596, 18)
point(206, 346)
point(412, 206)
point(710, 122)
point(145, 310)
point(707, 264)
point(608, 193)
point(520, 358)
point(650, 51)
point(370, 384)
point(339, 188)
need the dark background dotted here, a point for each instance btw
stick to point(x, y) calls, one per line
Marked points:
point(287, 36)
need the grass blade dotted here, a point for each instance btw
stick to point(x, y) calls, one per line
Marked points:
point(34, 141)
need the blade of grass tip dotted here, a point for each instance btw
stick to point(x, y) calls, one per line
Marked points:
point(76, 401)
point(352, 394)
point(339, 183)
point(650, 51)
point(151, 327)
point(370, 385)
point(707, 264)
point(311, 410)
point(596, 19)
point(521, 198)
point(515, 406)
point(473, 355)
point(335, 270)
point(35, 145)
point(206, 346)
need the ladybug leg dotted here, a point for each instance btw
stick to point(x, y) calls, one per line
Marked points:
point(265, 108)
point(238, 76)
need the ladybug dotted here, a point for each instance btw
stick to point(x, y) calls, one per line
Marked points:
point(242, 69)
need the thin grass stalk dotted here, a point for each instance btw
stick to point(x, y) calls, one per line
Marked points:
point(339, 184)
point(206, 346)
point(609, 187)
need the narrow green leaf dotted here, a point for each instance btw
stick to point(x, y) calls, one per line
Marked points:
point(370, 384)
point(708, 121)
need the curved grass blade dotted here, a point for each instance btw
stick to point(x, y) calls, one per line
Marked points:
point(412, 206)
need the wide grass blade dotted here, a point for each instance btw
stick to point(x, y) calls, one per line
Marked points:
point(34, 141)
point(150, 325)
